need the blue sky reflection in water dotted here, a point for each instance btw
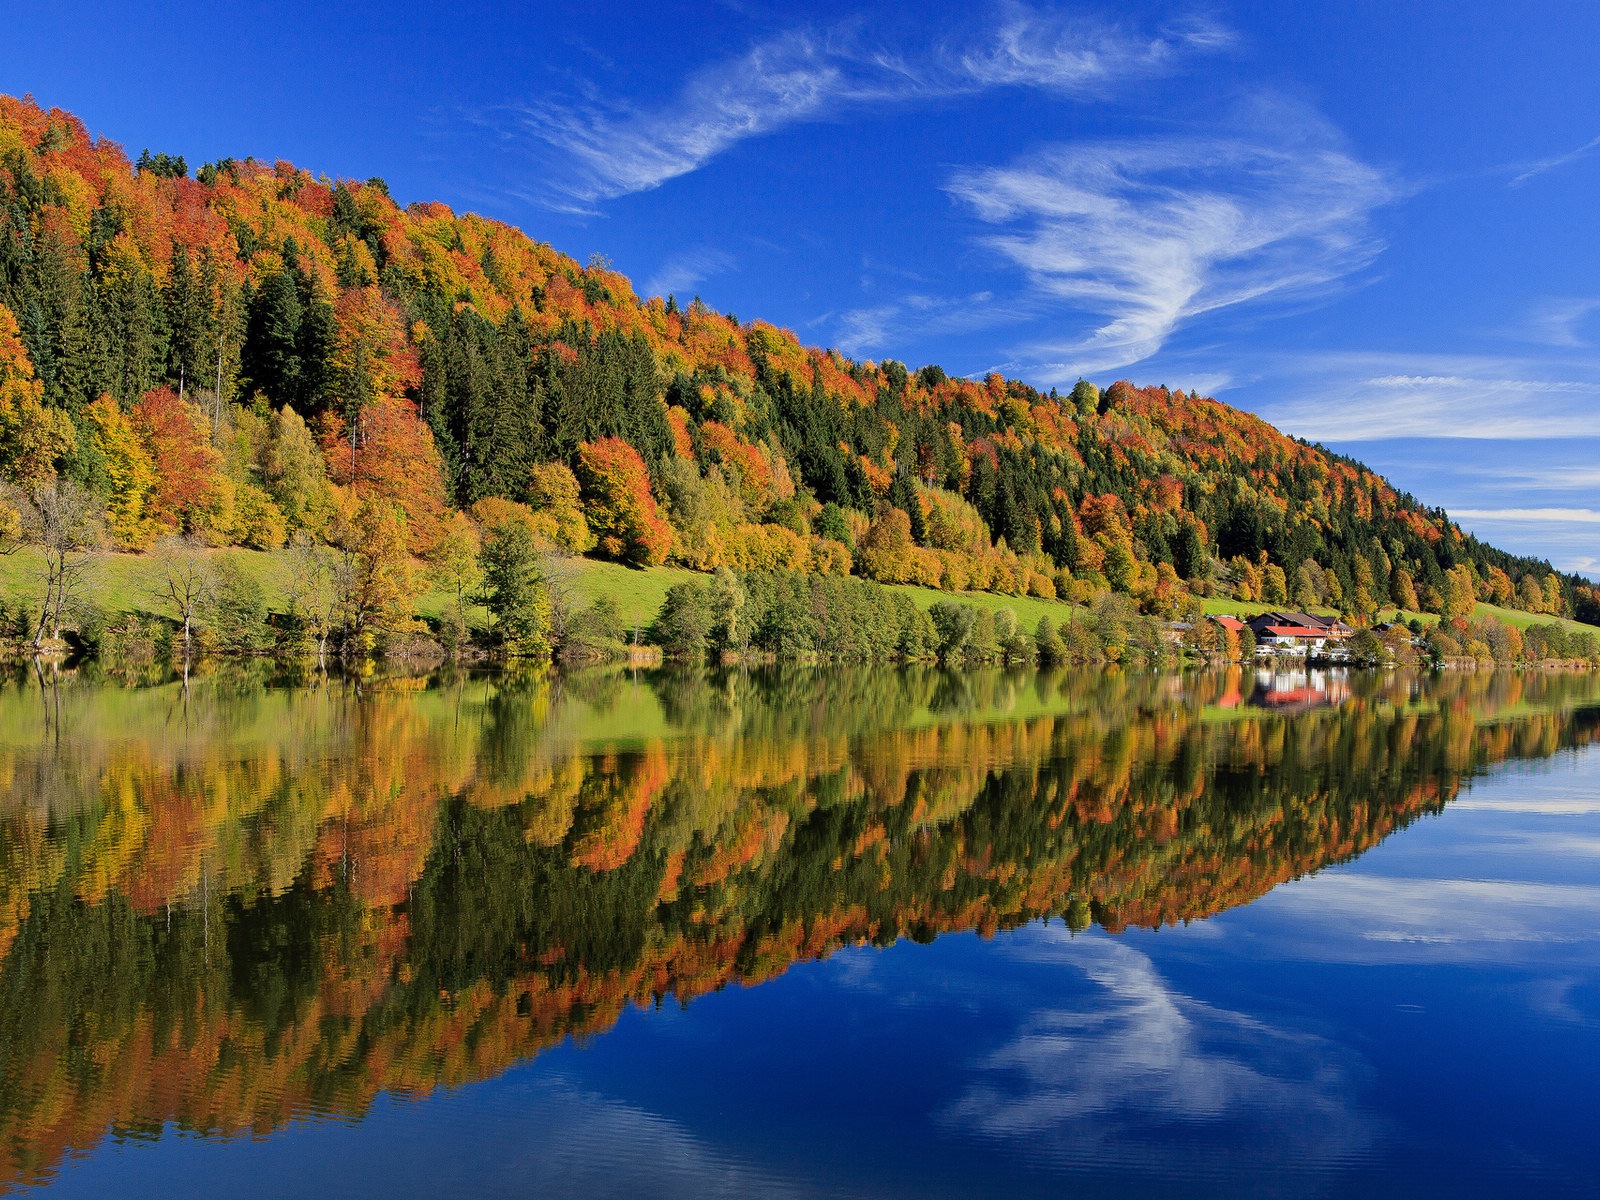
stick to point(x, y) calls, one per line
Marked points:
point(1423, 1021)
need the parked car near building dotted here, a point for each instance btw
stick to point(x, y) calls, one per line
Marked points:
point(1299, 635)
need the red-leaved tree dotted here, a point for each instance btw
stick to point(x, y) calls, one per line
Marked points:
point(187, 464)
point(623, 513)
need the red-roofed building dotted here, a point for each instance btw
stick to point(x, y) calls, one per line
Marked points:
point(1300, 634)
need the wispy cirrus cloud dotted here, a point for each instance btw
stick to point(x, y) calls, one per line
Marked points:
point(611, 149)
point(1367, 397)
point(548, 1138)
point(1536, 516)
point(1376, 918)
point(1557, 322)
point(686, 270)
point(1138, 1064)
point(1539, 166)
point(1551, 478)
point(865, 331)
point(1034, 49)
point(1145, 234)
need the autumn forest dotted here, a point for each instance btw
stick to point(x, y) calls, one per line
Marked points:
point(392, 398)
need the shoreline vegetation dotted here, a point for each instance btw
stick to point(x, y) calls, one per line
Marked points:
point(181, 603)
point(248, 410)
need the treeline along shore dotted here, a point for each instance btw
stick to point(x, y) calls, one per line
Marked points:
point(183, 604)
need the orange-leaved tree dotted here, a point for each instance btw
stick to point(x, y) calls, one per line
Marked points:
point(393, 457)
point(188, 466)
point(623, 514)
point(371, 356)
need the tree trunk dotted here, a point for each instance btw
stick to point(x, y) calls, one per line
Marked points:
point(44, 608)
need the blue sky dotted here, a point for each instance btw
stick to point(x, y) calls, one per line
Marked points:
point(1370, 223)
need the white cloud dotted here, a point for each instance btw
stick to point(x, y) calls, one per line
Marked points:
point(1037, 50)
point(864, 331)
point(1207, 384)
point(1557, 847)
point(1138, 1060)
point(1542, 165)
point(1558, 805)
point(1555, 322)
point(1553, 478)
point(1537, 516)
point(1359, 917)
point(1363, 397)
point(806, 75)
point(546, 1136)
point(1148, 233)
point(685, 271)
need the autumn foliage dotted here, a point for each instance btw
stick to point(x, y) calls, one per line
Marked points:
point(451, 892)
point(389, 454)
point(32, 438)
point(177, 437)
point(622, 513)
point(445, 358)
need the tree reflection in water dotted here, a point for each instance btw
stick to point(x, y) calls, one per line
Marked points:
point(234, 904)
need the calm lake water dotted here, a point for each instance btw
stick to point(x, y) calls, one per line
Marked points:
point(804, 932)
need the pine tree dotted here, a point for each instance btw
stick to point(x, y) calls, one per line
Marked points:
point(271, 348)
point(1188, 555)
point(188, 312)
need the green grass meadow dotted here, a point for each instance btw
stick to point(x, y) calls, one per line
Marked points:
point(132, 583)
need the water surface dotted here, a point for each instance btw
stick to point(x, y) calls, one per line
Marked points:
point(811, 932)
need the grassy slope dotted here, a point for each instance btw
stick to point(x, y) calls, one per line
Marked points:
point(639, 593)
point(131, 582)
point(124, 583)
point(1028, 608)
point(1220, 605)
point(1524, 619)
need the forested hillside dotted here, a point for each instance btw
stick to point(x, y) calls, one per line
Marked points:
point(251, 354)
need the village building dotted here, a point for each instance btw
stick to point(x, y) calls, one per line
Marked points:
point(1298, 634)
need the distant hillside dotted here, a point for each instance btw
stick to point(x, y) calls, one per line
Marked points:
point(277, 346)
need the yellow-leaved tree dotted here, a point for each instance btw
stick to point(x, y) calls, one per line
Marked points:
point(376, 583)
point(129, 472)
point(32, 437)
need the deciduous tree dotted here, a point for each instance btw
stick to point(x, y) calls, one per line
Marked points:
point(186, 584)
point(556, 500)
point(32, 437)
point(376, 584)
point(622, 513)
point(314, 590)
point(62, 520)
point(177, 437)
point(514, 590)
point(454, 566)
point(130, 475)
